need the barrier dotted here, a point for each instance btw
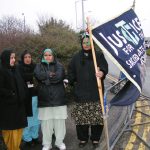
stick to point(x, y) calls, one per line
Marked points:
point(120, 118)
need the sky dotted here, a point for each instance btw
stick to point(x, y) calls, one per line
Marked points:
point(70, 11)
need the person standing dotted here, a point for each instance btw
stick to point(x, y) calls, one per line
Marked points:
point(51, 99)
point(12, 101)
point(30, 133)
point(87, 111)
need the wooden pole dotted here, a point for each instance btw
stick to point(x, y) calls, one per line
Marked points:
point(133, 6)
point(99, 83)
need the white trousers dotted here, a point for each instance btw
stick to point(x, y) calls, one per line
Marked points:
point(56, 126)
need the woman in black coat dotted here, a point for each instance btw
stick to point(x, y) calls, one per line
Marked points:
point(12, 107)
point(27, 71)
point(87, 110)
point(26, 67)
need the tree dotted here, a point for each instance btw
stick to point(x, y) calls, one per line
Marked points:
point(53, 34)
point(59, 36)
point(11, 32)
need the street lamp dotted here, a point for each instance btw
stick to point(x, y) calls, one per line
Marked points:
point(76, 12)
point(83, 21)
point(24, 22)
point(83, 17)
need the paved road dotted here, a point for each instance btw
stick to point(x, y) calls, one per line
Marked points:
point(138, 136)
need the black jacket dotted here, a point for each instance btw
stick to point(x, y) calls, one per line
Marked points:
point(12, 96)
point(81, 74)
point(51, 91)
point(27, 73)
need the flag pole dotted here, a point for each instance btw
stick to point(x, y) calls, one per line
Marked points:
point(99, 83)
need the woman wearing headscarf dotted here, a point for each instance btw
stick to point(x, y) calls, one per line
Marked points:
point(51, 99)
point(87, 111)
point(12, 101)
point(30, 133)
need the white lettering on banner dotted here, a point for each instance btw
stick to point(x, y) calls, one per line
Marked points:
point(122, 37)
point(119, 43)
point(141, 51)
point(133, 27)
point(138, 25)
point(125, 31)
point(133, 60)
point(141, 35)
point(128, 49)
point(115, 50)
point(131, 32)
point(136, 57)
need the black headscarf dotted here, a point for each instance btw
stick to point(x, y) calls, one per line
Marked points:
point(26, 70)
point(23, 54)
point(14, 73)
point(5, 57)
point(32, 65)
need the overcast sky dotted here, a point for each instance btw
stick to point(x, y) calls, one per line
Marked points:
point(98, 10)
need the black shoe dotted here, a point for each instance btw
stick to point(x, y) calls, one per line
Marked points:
point(27, 144)
point(36, 141)
point(82, 144)
point(95, 144)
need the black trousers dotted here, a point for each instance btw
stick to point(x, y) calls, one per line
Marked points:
point(83, 132)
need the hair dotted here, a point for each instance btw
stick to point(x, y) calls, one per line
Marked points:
point(24, 53)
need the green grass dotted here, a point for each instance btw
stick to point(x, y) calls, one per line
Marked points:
point(148, 52)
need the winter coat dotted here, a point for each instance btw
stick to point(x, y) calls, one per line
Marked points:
point(51, 91)
point(81, 74)
point(27, 73)
point(12, 96)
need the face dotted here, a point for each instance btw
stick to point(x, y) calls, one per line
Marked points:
point(48, 57)
point(27, 59)
point(12, 59)
point(86, 44)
